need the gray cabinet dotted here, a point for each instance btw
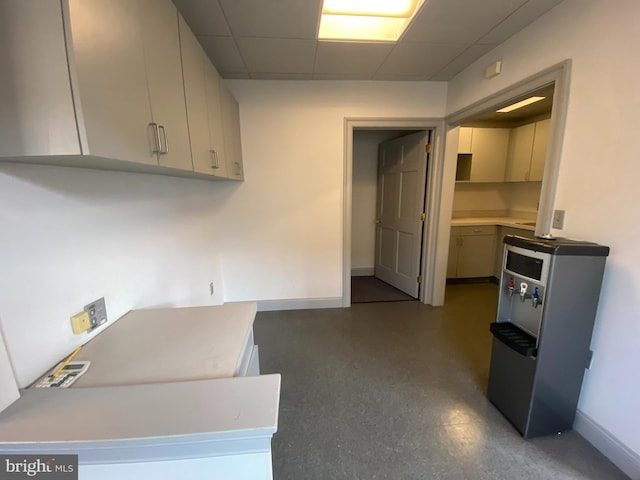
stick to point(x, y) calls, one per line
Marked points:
point(231, 130)
point(482, 154)
point(471, 251)
point(527, 152)
point(99, 84)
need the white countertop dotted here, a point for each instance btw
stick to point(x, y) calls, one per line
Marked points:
point(154, 391)
point(168, 345)
point(513, 222)
point(136, 423)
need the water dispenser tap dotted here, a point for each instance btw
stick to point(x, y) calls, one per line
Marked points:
point(512, 285)
point(535, 298)
point(523, 290)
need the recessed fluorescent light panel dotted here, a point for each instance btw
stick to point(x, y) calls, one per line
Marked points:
point(366, 20)
point(523, 103)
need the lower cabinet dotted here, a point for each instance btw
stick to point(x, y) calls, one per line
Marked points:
point(472, 251)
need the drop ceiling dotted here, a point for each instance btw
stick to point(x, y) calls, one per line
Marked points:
point(276, 39)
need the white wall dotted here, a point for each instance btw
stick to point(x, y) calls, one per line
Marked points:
point(287, 223)
point(597, 183)
point(496, 199)
point(365, 188)
point(70, 236)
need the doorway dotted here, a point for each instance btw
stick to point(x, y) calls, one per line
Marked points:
point(499, 172)
point(388, 198)
point(553, 83)
point(379, 130)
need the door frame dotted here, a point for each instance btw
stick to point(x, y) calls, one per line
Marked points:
point(432, 195)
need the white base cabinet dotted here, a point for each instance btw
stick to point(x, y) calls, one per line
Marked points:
point(471, 252)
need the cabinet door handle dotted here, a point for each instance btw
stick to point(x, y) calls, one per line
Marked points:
point(156, 139)
point(238, 170)
point(214, 155)
point(166, 142)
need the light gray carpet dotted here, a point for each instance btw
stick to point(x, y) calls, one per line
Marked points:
point(397, 391)
point(372, 289)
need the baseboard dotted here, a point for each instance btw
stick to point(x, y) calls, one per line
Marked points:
point(625, 459)
point(363, 272)
point(299, 304)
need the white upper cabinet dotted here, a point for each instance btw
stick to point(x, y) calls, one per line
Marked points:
point(110, 85)
point(489, 154)
point(36, 106)
point(539, 154)
point(159, 21)
point(520, 148)
point(527, 152)
point(464, 140)
point(215, 112)
point(232, 140)
point(482, 154)
point(204, 109)
point(101, 83)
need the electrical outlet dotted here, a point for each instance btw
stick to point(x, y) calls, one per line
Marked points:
point(558, 219)
point(211, 289)
point(80, 322)
point(97, 313)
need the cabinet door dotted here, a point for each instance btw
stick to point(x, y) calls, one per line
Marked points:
point(232, 139)
point(193, 66)
point(489, 154)
point(452, 263)
point(110, 84)
point(464, 140)
point(539, 155)
point(476, 257)
point(37, 115)
point(520, 149)
point(159, 25)
point(214, 110)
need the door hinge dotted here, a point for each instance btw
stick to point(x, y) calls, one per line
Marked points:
point(419, 279)
point(427, 148)
point(423, 216)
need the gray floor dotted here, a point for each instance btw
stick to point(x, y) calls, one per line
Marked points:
point(397, 391)
point(372, 289)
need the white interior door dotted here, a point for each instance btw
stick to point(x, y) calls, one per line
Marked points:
point(402, 171)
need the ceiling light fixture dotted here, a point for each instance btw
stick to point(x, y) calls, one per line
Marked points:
point(517, 105)
point(366, 20)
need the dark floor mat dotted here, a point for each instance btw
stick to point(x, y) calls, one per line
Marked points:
point(372, 289)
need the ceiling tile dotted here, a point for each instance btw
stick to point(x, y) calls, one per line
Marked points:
point(204, 18)
point(222, 51)
point(458, 21)
point(273, 18)
point(350, 58)
point(277, 55)
point(459, 63)
point(518, 20)
point(419, 59)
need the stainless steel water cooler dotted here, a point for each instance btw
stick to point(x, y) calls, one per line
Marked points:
point(549, 292)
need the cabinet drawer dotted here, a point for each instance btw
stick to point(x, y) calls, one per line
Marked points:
point(474, 230)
